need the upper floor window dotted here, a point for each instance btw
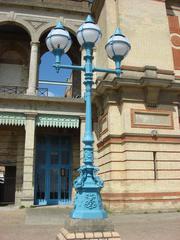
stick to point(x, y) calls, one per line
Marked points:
point(66, 83)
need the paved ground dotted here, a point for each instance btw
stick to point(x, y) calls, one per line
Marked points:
point(16, 224)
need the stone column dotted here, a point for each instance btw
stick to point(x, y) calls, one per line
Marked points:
point(29, 152)
point(33, 68)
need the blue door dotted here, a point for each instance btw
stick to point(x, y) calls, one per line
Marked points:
point(53, 170)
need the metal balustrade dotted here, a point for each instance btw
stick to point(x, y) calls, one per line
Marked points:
point(13, 90)
point(42, 92)
point(16, 90)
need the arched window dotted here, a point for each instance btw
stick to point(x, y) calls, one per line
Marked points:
point(58, 84)
point(14, 56)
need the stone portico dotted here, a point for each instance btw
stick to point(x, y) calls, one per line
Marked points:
point(19, 132)
point(24, 27)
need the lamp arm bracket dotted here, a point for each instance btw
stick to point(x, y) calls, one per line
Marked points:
point(73, 67)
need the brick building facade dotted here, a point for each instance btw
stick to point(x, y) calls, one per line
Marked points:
point(136, 116)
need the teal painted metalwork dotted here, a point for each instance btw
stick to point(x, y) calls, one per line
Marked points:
point(88, 203)
point(13, 119)
point(53, 174)
point(46, 120)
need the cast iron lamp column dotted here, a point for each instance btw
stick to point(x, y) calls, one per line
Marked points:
point(88, 203)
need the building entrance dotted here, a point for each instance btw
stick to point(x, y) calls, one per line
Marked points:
point(53, 183)
point(7, 184)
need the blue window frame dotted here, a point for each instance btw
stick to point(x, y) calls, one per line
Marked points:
point(53, 176)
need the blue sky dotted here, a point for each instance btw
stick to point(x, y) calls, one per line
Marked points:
point(48, 72)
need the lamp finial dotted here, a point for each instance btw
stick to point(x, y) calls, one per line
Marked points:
point(118, 32)
point(89, 19)
point(59, 25)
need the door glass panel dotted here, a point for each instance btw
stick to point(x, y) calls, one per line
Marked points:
point(54, 183)
point(41, 157)
point(41, 140)
point(65, 142)
point(64, 157)
point(54, 141)
point(54, 157)
point(64, 188)
point(40, 194)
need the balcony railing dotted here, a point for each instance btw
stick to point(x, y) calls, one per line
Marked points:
point(12, 90)
point(42, 92)
point(15, 90)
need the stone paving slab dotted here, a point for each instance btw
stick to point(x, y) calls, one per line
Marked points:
point(159, 226)
point(46, 215)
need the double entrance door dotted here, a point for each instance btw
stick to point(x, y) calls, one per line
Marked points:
point(53, 183)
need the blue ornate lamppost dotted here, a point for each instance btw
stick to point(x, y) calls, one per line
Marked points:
point(88, 203)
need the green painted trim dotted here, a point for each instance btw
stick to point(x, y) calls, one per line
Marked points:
point(57, 121)
point(13, 119)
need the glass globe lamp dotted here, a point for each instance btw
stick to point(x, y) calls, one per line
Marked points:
point(58, 39)
point(88, 32)
point(117, 46)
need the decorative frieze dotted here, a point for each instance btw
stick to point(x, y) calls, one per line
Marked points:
point(57, 121)
point(42, 120)
point(14, 119)
point(36, 24)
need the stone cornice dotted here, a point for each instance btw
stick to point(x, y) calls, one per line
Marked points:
point(142, 82)
point(147, 76)
point(31, 98)
point(149, 82)
point(64, 5)
point(42, 105)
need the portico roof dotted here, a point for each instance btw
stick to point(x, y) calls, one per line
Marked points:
point(42, 120)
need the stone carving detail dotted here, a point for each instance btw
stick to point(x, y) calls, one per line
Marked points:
point(11, 16)
point(36, 24)
point(175, 39)
point(90, 201)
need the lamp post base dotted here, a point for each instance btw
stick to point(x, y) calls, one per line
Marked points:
point(89, 225)
point(88, 205)
point(64, 234)
point(88, 202)
point(88, 230)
